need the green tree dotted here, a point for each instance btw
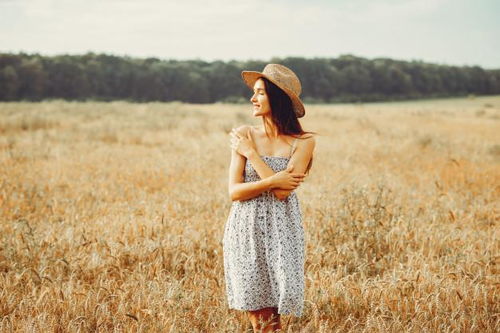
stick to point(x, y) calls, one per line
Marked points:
point(9, 83)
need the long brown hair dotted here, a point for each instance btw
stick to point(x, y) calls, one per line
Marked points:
point(282, 114)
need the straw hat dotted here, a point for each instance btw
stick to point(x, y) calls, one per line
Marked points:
point(284, 78)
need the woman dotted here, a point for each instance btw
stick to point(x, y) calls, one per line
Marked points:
point(263, 244)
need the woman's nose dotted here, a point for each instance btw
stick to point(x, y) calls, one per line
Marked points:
point(252, 98)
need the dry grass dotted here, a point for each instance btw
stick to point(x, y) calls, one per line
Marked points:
point(112, 217)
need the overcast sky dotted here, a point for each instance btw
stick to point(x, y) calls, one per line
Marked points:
point(455, 32)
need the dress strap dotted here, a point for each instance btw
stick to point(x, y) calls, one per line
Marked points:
point(293, 147)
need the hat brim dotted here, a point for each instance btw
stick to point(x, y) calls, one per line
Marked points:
point(249, 77)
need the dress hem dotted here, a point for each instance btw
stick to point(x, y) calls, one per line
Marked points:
point(246, 308)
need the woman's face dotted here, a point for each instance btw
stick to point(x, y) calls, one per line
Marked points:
point(260, 99)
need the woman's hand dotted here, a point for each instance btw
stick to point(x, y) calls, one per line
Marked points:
point(287, 180)
point(244, 145)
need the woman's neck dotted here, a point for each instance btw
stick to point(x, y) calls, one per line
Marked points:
point(270, 127)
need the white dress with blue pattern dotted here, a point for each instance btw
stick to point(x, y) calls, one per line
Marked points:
point(263, 249)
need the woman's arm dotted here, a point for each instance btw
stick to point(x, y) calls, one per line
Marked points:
point(262, 169)
point(237, 188)
point(264, 172)
point(299, 160)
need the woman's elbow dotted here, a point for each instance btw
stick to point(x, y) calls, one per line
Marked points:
point(233, 195)
point(281, 195)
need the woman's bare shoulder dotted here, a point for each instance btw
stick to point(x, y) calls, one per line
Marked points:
point(243, 129)
point(307, 137)
point(308, 141)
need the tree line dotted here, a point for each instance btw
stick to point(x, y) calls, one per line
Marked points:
point(347, 78)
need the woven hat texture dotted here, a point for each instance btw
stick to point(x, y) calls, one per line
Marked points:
point(284, 78)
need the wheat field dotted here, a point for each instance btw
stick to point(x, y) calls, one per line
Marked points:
point(112, 217)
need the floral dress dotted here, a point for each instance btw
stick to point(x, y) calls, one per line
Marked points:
point(263, 249)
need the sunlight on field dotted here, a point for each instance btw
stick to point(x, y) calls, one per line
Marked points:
point(112, 217)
